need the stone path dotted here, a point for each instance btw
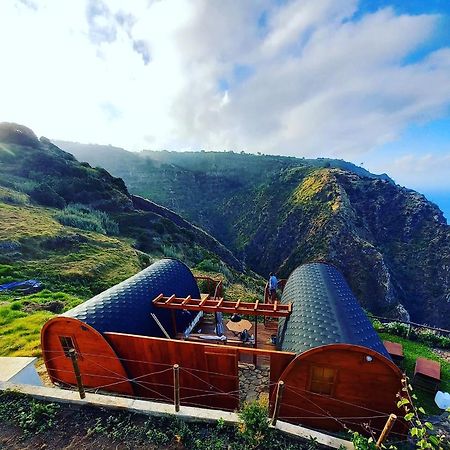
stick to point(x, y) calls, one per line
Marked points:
point(253, 382)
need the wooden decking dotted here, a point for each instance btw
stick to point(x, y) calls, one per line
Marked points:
point(206, 328)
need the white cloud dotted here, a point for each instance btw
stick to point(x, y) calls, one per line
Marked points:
point(429, 171)
point(166, 73)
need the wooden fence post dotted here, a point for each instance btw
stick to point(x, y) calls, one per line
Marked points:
point(76, 369)
point(176, 386)
point(387, 428)
point(276, 409)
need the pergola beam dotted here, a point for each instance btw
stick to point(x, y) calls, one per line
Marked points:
point(224, 306)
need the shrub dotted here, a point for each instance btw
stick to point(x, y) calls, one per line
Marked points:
point(208, 265)
point(170, 251)
point(399, 329)
point(428, 337)
point(377, 325)
point(45, 195)
point(8, 273)
point(38, 416)
point(13, 197)
point(87, 218)
point(254, 423)
point(432, 338)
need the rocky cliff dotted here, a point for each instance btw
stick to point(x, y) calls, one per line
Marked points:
point(392, 245)
point(274, 212)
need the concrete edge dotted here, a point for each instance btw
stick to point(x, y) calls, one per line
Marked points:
point(187, 413)
point(306, 433)
point(31, 361)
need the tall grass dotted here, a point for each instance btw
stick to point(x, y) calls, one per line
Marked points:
point(13, 197)
point(87, 218)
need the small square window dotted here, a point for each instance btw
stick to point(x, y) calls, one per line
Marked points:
point(67, 344)
point(322, 380)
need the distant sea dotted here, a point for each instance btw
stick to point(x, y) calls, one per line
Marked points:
point(442, 199)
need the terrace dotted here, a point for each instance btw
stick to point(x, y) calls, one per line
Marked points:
point(249, 325)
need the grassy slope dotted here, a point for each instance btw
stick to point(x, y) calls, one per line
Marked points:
point(72, 263)
point(412, 351)
point(36, 180)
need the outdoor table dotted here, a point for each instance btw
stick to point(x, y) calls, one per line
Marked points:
point(395, 350)
point(239, 327)
point(427, 374)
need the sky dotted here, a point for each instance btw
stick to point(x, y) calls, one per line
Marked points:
point(367, 81)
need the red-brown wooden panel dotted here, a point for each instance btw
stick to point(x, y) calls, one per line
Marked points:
point(278, 363)
point(364, 389)
point(207, 372)
point(99, 366)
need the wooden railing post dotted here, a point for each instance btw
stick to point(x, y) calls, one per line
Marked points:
point(386, 430)
point(278, 397)
point(76, 369)
point(176, 386)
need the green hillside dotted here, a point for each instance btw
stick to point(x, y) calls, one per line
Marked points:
point(275, 213)
point(79, 231)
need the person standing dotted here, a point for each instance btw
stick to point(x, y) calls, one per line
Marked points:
point(273, 284)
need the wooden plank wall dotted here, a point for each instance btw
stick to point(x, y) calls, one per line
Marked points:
point(208, 373)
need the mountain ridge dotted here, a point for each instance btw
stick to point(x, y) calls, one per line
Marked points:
point(275, 213)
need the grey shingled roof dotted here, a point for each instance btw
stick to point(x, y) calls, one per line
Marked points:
point(324, 311)
point(126, 307)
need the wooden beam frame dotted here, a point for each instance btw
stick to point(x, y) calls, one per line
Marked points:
point(225, 306)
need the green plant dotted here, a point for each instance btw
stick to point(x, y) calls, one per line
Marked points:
point(400, 329)
point(8, 273)
point(421, 431)
point(45, 195)
point(427, 336)
point(87, 218)
point(32, 416)
point(118, 427)
point(220, 424)
point(432, 338)
point(39, 417)
point(12, 197)
point(171, 251)
point(254, 423)
point(208, 265)
point(312, 443)
point(362, 442)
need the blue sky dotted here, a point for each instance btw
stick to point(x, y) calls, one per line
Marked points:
point(422, 160)
point(429, 137)
point(367, 81)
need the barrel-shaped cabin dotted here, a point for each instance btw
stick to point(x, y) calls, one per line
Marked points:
point(335, 370)
point(342, 373)
point(123, 310)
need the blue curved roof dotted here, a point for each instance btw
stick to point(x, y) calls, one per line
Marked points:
point(126, 307)
point(324, 311)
